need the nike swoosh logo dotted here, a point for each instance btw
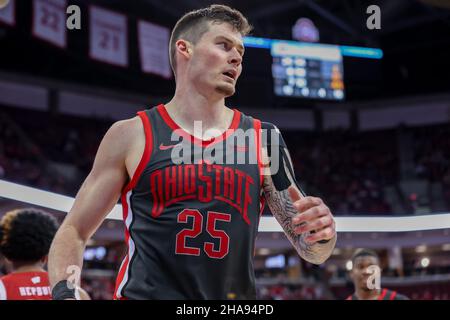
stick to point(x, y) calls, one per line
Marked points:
point(163, 147)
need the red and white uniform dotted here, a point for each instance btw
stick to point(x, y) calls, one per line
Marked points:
point(384, 295)
point(25, 286)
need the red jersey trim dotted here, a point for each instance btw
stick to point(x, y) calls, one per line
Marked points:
point(142, 164)
point(393, 294)
point(257, 127)
point(204, 143)
point(383, 294)
point(145, 156)
point(258, 143)
point(121, 274)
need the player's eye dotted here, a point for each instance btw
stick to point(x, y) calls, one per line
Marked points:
point(223, 45)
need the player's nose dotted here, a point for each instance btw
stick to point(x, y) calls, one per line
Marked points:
point(235, 58)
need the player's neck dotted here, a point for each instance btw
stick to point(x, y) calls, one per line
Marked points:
point(186, 108)
point(36, 267)
point(367, 295)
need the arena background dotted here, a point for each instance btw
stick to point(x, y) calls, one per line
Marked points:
point(382, 153)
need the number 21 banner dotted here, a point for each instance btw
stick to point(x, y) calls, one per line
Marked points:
point(108, 36)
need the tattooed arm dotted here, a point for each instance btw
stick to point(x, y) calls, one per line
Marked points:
point(306, 221)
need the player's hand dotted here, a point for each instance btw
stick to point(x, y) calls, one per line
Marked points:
point(83, 295)
point(313, 216)
point(80, 294)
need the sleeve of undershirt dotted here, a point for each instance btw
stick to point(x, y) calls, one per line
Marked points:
point(277, 151)
point(2, 291)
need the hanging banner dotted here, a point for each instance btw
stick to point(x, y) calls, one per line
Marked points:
point(49, 21)
point(154, 49)
point(108, 36)
point(8, 14)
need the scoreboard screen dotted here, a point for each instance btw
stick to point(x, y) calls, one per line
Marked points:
point(307, 70)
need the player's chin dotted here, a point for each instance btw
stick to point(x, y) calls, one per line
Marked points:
point(365, 288)
point(363, 285)
point(226, 89)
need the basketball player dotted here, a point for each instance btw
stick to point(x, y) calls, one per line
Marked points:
point(191, 225)
point(362, 260)
point(25, 238)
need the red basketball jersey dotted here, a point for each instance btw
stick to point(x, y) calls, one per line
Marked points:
point(25, 286)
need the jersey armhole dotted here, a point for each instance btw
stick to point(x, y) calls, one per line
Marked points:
point(145, 155)
point(258, 138)
point(258, 133)
point(383, 294)
point(393, 295)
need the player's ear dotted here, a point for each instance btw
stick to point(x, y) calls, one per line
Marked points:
point(351, 274)
point(7, 261)
point(183, 47)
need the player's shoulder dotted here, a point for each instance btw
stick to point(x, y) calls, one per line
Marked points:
point(126, 126)
point(264, 124)
point(5, 278)
point(10, 279)
point(398, 296)
point(120, 138)
point(18, 276)
point(124, 131)
point(272, 135)
point(134, 126)
point(351, 297)
point(269, 126)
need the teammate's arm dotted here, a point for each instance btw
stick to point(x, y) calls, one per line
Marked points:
point(95, 199)
point(306, 221)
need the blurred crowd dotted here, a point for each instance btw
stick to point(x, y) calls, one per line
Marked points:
point(291, 292)
point(349, 169)
point(53, 153)
point(430, 291)
point(432, 156)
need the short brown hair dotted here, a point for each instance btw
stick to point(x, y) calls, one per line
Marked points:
point(194, 24)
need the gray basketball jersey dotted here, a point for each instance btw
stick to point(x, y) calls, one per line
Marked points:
point(192, 213)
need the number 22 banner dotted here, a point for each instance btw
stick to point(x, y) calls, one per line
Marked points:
point(8, 13)
point(49, 21)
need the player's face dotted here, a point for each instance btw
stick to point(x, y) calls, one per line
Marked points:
point(216, 63)
point(360, 273)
